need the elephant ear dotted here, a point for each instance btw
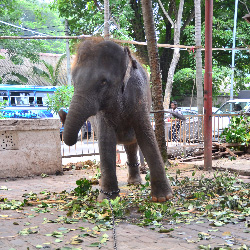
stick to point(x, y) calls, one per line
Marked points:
point(128, 52)
point(131, 63)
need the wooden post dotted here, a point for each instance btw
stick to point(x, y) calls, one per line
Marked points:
point(208, 86)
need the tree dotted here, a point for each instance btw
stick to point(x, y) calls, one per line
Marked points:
point(37, 18)
point(222, 37)
point(106, 19)
point(136, 30)
point(198, 56)
point(155, 75)
point(127, 22)
point(176, 56)
point(167, 16)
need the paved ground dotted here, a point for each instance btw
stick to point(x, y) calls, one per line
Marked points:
point(129, 237)
point(240, 165)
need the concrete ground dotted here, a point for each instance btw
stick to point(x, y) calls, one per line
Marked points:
point(240, 165)
point(129, 237)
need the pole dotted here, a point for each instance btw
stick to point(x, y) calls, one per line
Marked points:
point(233, 51)
point(67, 53)
point(208, 86)
point(106, 19)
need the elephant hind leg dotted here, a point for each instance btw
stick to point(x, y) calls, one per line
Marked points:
point(133, 165)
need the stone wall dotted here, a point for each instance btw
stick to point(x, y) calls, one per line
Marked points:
point(29, 147)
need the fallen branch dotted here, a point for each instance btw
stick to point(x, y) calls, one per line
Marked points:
point(8, 218)
point(9, 236)
point(46, 202)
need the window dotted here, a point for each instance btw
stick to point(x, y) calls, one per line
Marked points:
point(32, 101)
point(231, 108)
point(3, 96)
point(41, 98)
point(22, 98)
point(39, 101)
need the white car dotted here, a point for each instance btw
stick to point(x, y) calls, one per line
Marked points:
point(222, 117)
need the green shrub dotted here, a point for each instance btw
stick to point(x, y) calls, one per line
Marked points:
point(238, 130)
point(61, 98)
point(2, 104)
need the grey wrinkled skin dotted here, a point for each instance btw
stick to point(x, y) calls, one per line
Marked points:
point(121, 111)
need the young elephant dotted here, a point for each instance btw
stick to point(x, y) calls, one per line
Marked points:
point(114, 87)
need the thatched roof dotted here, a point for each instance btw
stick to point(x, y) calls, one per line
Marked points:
point(9, 70)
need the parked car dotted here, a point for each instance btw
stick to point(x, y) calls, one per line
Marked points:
point(222, 116)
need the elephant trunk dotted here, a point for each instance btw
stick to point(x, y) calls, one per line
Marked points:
point(79, 111)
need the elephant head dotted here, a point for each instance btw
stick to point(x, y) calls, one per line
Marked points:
point(100, 72)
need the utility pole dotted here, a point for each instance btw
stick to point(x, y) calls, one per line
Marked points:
point(106, 19)
point(233, 51)
point(208, 86)
point(68, 53)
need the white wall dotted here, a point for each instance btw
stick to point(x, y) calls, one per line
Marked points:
point(29, 147)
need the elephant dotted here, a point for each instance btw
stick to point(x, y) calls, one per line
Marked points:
point(111, 84)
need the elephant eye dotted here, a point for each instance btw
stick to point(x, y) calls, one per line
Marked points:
point(104, 82)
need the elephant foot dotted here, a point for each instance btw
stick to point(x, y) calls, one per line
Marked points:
point(135, 180)
point(108, 195)
point(161, 192)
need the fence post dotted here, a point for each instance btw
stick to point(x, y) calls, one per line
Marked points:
point(184, 140)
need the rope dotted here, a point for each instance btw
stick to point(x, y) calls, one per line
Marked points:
point(121, 41)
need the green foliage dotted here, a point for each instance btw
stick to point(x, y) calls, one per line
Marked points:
point(61, 98)
point(35, 16)
point(86, 16)
point(238, 130)
point(223, 22)
point(52, 74)
point(183, 83)
point(21, 79)
point(219, 199)
point(221, 79)
point(2, 104)
point(83, 187)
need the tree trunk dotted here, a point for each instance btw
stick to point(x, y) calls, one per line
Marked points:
point(106, 19)
point(198, 56)
point(176, 56)
point(155, 75)
point(138, 32)
point(167, 54)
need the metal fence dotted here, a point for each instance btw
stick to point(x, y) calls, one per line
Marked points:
point(181, 136)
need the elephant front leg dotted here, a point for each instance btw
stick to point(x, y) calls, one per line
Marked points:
point(133, 165)
point(160, 186)
point(107, 149)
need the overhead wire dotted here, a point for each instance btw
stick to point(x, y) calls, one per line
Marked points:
point(13, 25)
